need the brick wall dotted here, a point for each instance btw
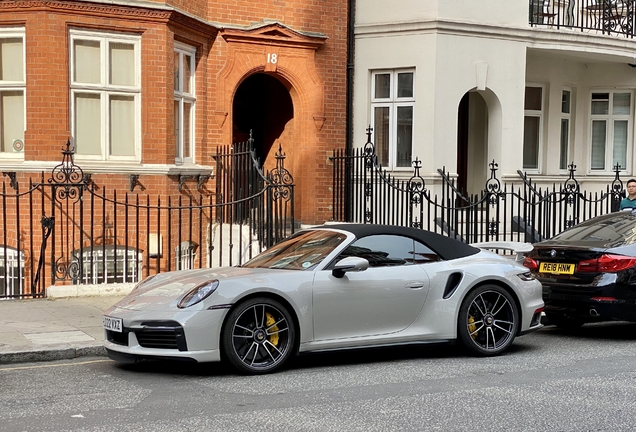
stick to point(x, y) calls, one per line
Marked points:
point(312, 68)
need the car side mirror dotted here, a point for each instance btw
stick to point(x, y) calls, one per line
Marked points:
point(349, 264)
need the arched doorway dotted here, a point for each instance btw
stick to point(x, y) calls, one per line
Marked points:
point(263, 106)
point(472, 143)
point(261, 62)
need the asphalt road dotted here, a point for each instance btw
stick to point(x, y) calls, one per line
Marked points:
point(549, 381)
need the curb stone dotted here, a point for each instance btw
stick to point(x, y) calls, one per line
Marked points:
point(60, 352)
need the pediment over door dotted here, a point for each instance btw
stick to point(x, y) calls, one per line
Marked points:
point(275, 49)
point(275, 34)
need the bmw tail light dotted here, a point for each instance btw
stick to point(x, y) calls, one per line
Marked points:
point(531, 263)
point(606, 263)
point(604, 299)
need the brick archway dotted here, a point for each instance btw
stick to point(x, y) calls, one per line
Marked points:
point(278, 51)
point(263, 110)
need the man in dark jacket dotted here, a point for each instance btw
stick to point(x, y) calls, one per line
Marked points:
point(629, 202)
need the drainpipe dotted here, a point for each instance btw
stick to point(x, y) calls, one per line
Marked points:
point(351, 5)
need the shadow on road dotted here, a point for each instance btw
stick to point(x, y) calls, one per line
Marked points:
point(377, 355)
point(445, 351)
point(613, 330)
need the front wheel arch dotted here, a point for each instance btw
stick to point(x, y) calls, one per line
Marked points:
point(290, 310)
point(488, 319)
point(280, 299)
point(510, 292)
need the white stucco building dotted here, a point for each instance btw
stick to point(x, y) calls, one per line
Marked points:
point(531, 84)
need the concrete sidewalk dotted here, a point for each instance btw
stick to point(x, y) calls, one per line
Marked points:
point(52, 329)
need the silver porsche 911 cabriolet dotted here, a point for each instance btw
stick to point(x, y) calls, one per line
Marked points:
point(331, 287)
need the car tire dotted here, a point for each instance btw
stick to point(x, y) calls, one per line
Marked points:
point(258, 336)
point(565, 322)
point(488, 320)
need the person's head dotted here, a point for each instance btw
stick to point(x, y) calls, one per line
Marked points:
point(631, 187)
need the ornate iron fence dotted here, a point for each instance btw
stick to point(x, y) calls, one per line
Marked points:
point(365, 193)
point(603, 16)
point(67, 230)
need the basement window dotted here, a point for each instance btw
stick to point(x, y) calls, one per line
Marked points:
point(11, 271)
point(107, 264)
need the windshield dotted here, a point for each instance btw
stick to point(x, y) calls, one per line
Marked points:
point(300, 252)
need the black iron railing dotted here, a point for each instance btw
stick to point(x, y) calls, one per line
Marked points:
point(517, 211)
point(65, 229)
point(602, 16)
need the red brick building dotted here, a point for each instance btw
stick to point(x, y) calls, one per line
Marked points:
point(147, 90)
point(152, 87)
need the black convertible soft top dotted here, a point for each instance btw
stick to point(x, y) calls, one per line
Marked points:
point(446, 247)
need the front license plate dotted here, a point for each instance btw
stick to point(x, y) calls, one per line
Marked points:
point(112, 324)
point(556, 268)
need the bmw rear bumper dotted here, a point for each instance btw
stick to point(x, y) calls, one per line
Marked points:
point(601, 304)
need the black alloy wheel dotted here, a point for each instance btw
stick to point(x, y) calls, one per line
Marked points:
point(258, 336)
point(488, 320)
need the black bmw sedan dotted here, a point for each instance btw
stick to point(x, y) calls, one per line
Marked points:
point(588, 272)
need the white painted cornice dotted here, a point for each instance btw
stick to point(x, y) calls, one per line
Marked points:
point(562, 39)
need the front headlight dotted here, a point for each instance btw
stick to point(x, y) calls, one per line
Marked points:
point(198, 293)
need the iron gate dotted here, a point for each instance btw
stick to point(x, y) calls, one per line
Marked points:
point(64, 229)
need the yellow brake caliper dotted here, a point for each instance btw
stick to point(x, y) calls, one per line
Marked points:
point(472, 326)
point(270, 321)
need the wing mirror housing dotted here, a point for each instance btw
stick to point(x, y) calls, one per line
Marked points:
point(349, 264)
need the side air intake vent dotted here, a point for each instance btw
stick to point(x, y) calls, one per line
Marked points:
point(452, 283)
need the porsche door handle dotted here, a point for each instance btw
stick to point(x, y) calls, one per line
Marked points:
point(415, 285)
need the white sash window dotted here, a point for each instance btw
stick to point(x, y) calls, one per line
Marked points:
point(106, 95)
point(610, 130)
point(184, 102)
point(12, 92)
point(392, 111)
